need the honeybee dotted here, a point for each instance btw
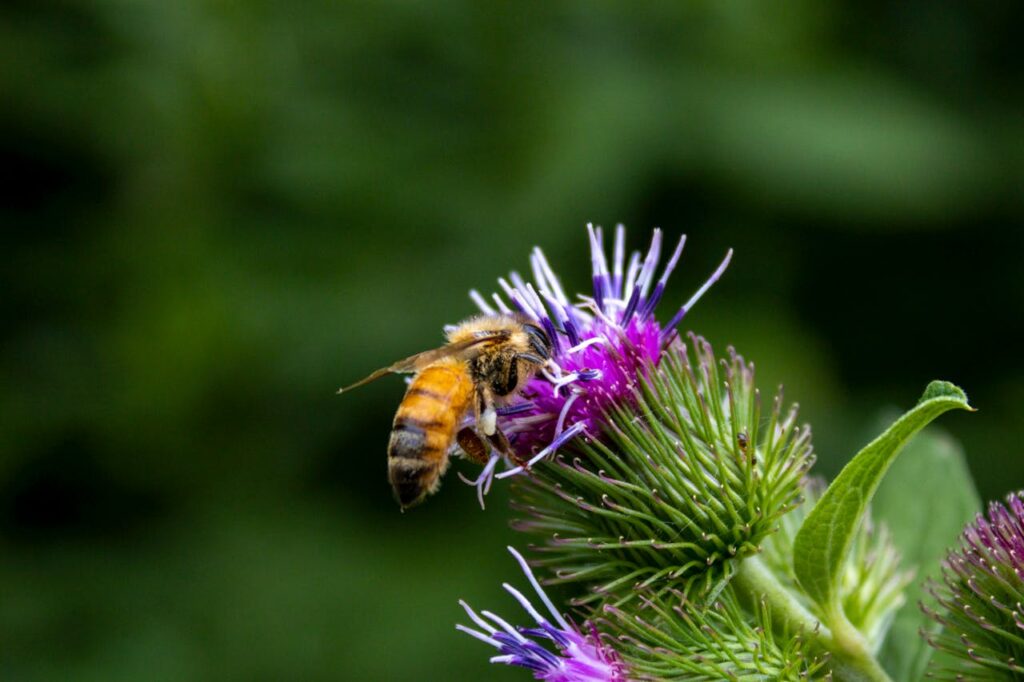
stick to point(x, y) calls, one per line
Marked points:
point(487, 361)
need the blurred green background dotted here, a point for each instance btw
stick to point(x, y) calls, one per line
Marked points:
point(219, 212)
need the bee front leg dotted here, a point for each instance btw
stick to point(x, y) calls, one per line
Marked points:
point(500, 442)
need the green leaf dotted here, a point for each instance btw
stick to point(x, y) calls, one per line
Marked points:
point(825, 538)
point(926, 499)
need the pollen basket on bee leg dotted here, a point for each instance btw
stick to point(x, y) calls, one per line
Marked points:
point(489, 421)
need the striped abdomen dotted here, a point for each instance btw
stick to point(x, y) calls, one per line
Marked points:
point(424, 429)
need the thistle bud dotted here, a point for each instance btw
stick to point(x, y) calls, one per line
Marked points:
point(979, 598)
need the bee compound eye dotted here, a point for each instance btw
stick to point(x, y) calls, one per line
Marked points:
point(539, 341)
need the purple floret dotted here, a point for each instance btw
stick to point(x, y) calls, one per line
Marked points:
point(576, 658)
point(602, 345)
point(595, 378)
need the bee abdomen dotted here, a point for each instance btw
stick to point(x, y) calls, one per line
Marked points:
point(412, 479)
point(417, 457)
point(413, 438)
point(416, 454)
point(424, 430)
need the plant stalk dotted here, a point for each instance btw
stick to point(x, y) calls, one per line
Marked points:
point(851, 659)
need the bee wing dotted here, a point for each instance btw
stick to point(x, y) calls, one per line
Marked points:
point(414, 363)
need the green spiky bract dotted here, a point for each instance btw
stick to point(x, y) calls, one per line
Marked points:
point(683, 480)
point(673, 638)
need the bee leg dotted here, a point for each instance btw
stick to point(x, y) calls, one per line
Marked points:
point(472, 445)
point(487, 425)
point(500, 442)
point(486, 415)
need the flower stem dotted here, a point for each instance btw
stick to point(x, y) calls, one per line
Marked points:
point(852, 661)
point(850, 648)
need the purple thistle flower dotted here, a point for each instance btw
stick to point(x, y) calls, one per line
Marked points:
point(601, 344)
point(579, 657)
point(981, 595)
